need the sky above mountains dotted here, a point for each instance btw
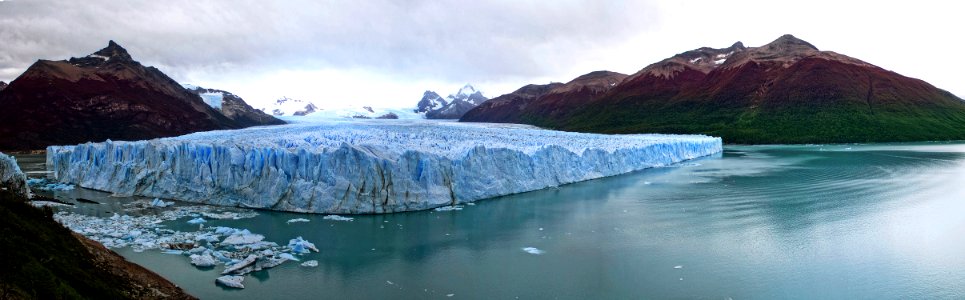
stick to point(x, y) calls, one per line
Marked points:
point(386, 53)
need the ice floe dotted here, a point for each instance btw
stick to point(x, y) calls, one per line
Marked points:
point(533, 250)
point(337, 218)
point(239, 250)
point(296, 220)
point(231, 281)
point(310, 263)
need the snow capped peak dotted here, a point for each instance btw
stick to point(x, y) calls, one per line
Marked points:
point(285, 106)
point(467, 90)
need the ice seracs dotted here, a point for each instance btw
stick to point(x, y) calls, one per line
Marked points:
point(363, 167)
point(11, 178)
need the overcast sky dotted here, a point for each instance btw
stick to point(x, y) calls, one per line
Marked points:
point(386, 53)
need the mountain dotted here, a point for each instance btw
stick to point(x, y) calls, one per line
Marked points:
point(285, 106)
point(509, 107)
point(233, 107)
point(787, 91)
point(539, 102)
point(3, 85)
point(453, 106)
point(105, 95)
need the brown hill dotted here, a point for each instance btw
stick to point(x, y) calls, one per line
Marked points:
point(105, 95)
point(787, 91)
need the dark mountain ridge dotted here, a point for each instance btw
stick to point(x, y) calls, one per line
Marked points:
point(787, 91)
point(105, 95)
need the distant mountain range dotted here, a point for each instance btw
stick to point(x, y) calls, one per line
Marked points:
point(107, 95)
point(285, 106)
point(431, 106)
point(787, 91)
point(451, 107)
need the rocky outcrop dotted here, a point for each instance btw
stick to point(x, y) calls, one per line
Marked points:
point(235, 108)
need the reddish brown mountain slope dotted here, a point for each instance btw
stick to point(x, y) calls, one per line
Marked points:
point(105, 95)
point(787, 91)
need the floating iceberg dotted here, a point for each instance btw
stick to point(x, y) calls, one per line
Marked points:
point(301, 246)
point(231, 281)
point(338, 218)
point(310, 263)
point(533, 250)
point(363, 167)
point(160, 203)
point(296, 220)
point(196, 221)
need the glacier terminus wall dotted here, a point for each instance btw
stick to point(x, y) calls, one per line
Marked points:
point(362, 167)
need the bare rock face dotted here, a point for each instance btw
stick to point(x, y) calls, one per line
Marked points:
point(3, 85)
point(235, 108)
point(104, 95)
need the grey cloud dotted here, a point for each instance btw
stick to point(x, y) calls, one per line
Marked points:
point(451, 40)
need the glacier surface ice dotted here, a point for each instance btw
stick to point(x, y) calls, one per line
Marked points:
point(363, 167)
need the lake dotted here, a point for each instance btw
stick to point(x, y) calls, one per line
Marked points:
point(758, 222)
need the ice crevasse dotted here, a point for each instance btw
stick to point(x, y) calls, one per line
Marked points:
point(363, 167)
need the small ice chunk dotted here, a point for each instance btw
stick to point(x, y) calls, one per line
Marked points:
point(160, 203)
point(301, 246)
point(310, 263)
point(450, 295)
point(533, 250)
point(241, 264)
point(678, 267)
point(449, 208)
point(231, 281)
point(337, 218)
point(296, 220)
point(243, 238)
point(198, 220)
point(288, 256)
point(203, 260)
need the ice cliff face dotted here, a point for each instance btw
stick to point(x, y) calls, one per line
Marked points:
point(11, 178)
point(363, 167)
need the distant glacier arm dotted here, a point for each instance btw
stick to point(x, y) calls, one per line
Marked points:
point(363, 167)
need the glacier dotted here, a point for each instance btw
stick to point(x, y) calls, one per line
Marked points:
point(363, 167)
point(11, 178)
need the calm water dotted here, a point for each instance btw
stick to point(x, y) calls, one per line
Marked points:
point(762, 222)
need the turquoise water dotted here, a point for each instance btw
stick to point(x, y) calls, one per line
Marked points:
point(760, 222)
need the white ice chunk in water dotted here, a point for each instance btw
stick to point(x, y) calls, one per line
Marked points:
point(242, 238)
point(203, 260)
point(196, 221)
point(337, 218)
point(533, 250)
point(301, 246)
point(310, 263)
point(296, 220)
point(231, 281)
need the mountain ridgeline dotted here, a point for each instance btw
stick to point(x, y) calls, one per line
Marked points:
point(787, 91)
point(107, 95)
point(452, 107)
